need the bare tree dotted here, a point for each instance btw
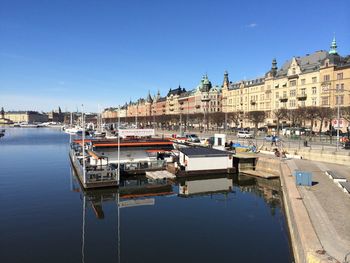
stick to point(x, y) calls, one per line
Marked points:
point(324, 113)
point(345, 113)
point(256, 117)
point(280, 114)
point(311, 113)
point(217, 118)
point(233, 117)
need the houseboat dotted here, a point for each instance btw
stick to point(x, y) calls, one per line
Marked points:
point(202, 160)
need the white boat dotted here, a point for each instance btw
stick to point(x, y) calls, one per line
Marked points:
point(28, 125)
point(73, 130)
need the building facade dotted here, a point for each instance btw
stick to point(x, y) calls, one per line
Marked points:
point(320, 79)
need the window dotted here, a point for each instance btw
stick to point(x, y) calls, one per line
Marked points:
point(314, 90)
point(303, 91)
point(326, 78)
point(284, 94)
point(292, 93)
point(293, 71)
point(302, 104)
point(292, 103)
point(292, 83)
point(324, 101)
point(314, 101)
point(339, 99)
point(303, 82)
point(277, 95)
point(314, 79)
point(340, 76)
point(276, 105)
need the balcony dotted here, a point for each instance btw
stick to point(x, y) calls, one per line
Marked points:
point(267, 91)
point(295, 76)
point(181, 102)
point(302, 97)
point(171, 104)
point(283, 99)
point(252, 102)
point(198, 106)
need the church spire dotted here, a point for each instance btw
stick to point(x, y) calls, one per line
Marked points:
point(333, 49)
point(274, 67)
point(226, 81)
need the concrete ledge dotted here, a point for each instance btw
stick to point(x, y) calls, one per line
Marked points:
point(305, 243)
point(322, 156)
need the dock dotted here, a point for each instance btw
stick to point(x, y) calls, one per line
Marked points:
point(160, 175)
point(95, 177)
point(257, 165)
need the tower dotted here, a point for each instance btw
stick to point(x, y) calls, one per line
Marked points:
point(333, 50)
point(226, 81)
point(274, 68)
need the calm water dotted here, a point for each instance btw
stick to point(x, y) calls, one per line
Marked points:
point(45, 217)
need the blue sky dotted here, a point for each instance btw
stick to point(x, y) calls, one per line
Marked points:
point(71, 52)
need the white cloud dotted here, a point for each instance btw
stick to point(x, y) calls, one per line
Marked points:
point(252, 25)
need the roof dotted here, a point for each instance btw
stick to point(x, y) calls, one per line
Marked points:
point(177, 91)
point(203, 152)
point(308, 63)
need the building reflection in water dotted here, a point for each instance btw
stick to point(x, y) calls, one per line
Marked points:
point(142, 192)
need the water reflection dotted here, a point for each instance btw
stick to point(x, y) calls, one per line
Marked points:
point(133, 192)
point(51, 219)
point(205, 185)
point(143, 192)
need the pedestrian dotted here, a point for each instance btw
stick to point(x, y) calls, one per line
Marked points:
point(273, 140)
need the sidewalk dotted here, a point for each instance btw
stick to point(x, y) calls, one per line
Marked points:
point(327, 205)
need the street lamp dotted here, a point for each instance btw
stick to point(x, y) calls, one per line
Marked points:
point(337, 101)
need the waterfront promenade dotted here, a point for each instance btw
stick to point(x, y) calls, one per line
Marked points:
point(318, 216)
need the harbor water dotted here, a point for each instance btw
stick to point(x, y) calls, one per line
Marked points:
point(46, 217)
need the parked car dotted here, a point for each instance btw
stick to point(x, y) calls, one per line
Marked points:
point(263, 129)
point(333, 133)
point(192, 138)
point(268, 138)
point(244, 134)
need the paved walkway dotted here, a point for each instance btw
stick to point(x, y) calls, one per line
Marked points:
point(328, 206)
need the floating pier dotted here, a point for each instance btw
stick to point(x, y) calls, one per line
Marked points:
point(159, 175)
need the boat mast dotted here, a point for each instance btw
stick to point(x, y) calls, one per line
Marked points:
point(83, 123)
point(83, 230)
point(118, 171)
point(71, 119)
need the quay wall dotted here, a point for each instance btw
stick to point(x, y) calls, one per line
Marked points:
point(305, 243)
point(268, 165)
point(322, 155)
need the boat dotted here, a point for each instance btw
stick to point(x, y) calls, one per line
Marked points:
point(28, 125)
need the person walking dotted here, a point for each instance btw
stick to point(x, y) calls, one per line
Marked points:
point(273, 140)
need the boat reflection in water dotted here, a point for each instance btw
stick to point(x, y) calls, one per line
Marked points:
point(132, 192)
point(205, 185)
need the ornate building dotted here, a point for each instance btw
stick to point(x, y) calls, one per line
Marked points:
point(319, 79)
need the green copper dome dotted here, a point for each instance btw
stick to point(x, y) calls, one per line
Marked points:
point(333, 49)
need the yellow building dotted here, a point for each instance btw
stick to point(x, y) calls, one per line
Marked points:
point(318, 79)
point(26, 116)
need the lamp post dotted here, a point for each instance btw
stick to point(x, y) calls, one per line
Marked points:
point(83, 146)
point(337, 101)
